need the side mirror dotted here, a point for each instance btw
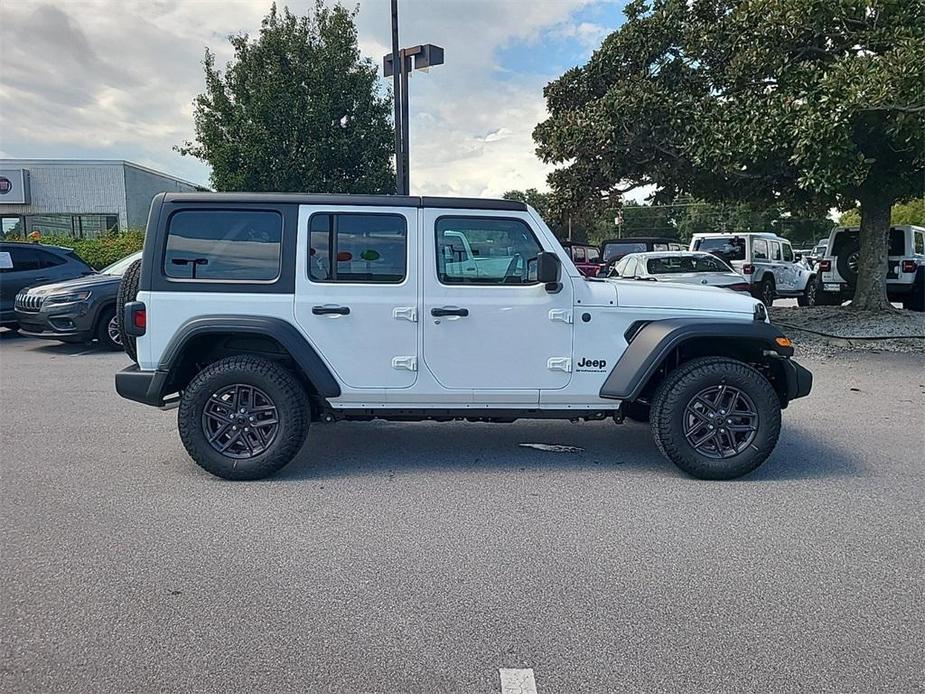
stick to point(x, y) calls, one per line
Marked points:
point(547, 267)
point(798, 257)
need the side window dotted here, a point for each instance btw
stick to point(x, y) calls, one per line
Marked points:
point(897, 242)
point(788, 252)
point(364, 247)
point(594, 255)
point(24, 259)
point(759, 249)
point(225, 245)
point(775, 251)
point(918, 240)
point(578, 254)
point(482, 250)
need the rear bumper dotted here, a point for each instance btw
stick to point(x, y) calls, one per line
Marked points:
point(142, 386)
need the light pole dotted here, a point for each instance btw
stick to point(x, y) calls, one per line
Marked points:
point(424, 56)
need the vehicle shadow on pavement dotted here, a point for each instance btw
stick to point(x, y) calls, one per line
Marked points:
point(362, 448)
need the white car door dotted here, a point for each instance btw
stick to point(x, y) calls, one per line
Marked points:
point(357, 292)
point(498, 331)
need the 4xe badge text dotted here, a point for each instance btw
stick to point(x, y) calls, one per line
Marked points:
point(591, 364)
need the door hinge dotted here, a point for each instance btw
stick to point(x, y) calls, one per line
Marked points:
point(409, 313)
point(406, 363)
point(559, 364)
point(561, 314)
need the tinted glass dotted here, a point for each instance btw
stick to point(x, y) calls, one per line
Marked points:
point(788, 252)
point(235, 245)
point(731, 248)
point(475, 250)
point(594, 255)
point(759, 249)
point(897, 242)
point(367, 248)
point(618, 249)
point(578, 254)
point(918, 240)
point(685, 263)
point(25, 259)
point(775, 250)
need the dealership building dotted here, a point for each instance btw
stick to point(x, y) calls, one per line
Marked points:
point(78, 198)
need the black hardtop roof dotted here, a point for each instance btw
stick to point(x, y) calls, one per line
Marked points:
point(362, 200)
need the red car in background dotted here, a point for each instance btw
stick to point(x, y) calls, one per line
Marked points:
point(586, 258)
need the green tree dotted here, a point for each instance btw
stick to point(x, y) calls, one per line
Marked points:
point(296, 109)
point(815, 104)
point(912, 212)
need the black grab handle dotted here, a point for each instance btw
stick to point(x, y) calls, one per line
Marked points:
point(437, 312)
point(323, 310)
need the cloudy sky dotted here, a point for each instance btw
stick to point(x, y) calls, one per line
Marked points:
point(116, 79)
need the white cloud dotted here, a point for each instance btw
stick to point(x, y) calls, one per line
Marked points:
point(117, 79)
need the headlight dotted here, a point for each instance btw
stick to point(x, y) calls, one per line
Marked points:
point(68, 298)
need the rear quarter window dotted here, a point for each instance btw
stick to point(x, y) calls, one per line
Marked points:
point(224, 245)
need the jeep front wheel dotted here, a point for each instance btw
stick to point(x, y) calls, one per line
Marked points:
point(716, 418)
point(243, 418)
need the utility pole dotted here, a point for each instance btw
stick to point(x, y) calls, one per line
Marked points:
point(398, 65)
point(396, 90)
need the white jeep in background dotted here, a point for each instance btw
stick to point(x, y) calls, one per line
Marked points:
point(905, 279)
point(261, 313)
point(768, 263)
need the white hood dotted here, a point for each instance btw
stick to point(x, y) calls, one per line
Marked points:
point(688, 297)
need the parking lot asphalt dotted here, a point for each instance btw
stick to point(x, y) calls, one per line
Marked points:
point(424, 557)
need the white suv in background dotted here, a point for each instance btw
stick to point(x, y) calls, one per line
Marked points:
point(767, 261)
point(905, 279)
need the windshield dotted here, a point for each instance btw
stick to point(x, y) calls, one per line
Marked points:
point(685, 263)
point(729, 248)
point(119, 267)
point(616, 250)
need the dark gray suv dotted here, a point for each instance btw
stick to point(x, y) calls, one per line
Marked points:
point(27, 264)
point(78, 310)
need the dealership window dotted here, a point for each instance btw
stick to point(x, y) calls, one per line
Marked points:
point(12, 228)
point(75, 226)
point(228, 245)
point(365, 248)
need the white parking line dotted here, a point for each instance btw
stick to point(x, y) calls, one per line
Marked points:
point(517, 681)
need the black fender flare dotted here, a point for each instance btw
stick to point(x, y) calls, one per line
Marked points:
point(285, 333)
point(653, 342)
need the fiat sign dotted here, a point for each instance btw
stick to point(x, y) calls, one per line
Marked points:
point(14, 187)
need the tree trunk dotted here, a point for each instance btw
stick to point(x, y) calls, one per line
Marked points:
point(870, 291)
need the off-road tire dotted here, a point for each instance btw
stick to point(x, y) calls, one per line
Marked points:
point(767, 291)
point(128, 292)
point(842, 262)
point(808, 297)
point(278, 383)
point(677, 390)
point(102, 329)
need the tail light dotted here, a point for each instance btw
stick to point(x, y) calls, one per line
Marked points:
point(748, 269)
point(910, 266)
point(825, 265)
point(739, 287)
point(135, 318)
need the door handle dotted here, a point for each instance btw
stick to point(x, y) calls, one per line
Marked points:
point(447, 311)
point(325, 310)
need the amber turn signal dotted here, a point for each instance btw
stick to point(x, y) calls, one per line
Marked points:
point(783, 341)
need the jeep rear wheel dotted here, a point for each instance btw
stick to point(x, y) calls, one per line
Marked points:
point(809, 294)
point(243, 418)
point(767, 291)
point(716, 418)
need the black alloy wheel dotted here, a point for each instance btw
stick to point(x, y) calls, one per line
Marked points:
point(720, 422)
point(240, 421)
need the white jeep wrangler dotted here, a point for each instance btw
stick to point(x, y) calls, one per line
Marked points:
point(767, 261)
point(261, 313)
point(905, 279)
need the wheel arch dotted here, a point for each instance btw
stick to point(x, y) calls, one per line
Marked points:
point(208, 338)
point(658, 347)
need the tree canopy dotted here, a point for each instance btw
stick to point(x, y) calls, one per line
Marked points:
point(809, 104)
point(296, 109)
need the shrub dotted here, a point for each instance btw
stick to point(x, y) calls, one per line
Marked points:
point(103, 250)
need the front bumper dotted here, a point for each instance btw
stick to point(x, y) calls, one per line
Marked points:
point(798, 380)
point(73, 323)
point(142, 386)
